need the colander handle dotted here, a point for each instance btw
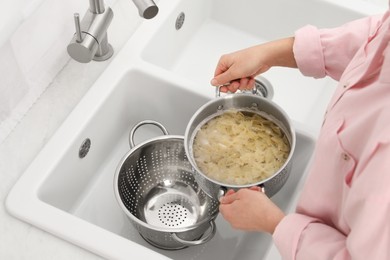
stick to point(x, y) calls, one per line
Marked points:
point(202, 240)
point(145, 122)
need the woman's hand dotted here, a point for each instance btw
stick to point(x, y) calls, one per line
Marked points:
point(237, 70)
point(250, 210)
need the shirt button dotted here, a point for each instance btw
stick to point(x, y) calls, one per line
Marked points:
point(345, 156)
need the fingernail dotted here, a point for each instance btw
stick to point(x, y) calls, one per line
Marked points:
point(214, 82)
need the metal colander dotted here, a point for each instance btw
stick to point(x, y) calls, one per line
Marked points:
point(156, 188)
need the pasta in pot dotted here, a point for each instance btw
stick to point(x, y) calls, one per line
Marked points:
point(240, 147)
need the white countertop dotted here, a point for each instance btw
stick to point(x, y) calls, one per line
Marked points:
point(19, 240)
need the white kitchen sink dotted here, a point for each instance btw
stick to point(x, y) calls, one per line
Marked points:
point(74, 198)
point(163, 74)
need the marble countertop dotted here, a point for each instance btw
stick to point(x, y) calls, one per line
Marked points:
point(19, 240)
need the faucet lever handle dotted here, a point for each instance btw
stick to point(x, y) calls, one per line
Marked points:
point(79, 36)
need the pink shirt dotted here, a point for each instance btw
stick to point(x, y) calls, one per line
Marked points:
point(344, 208)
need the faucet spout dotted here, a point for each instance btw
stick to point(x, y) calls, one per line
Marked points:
point(90, 40)
point(146, 8)
point(96, 6)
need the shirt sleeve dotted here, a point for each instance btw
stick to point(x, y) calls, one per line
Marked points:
point(302, 237)
point(367, 211)
point(327, 52)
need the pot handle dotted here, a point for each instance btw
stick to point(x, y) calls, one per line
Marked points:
point(222, 190)
point(145, 122)
point(202, 240)
point(261, 88)
point(262, 188)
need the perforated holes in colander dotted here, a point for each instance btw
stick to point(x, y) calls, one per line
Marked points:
point(131, 186)
point(172, 214)
point(142, 169)
point(213, 207)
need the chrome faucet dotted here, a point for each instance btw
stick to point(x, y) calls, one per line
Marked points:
point(147, 8)
point(90, 40)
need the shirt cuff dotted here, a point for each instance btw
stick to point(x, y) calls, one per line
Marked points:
point(287, 234)
point(308, 52)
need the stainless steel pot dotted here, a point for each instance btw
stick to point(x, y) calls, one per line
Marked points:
point(155, 186)
point(241, 101)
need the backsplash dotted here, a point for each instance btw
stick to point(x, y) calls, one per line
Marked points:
point(34, 36)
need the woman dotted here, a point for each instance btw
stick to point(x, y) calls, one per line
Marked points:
point(344, 208)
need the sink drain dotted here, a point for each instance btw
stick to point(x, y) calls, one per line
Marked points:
point(84, 148)
point(180, 21)
point(263, 87)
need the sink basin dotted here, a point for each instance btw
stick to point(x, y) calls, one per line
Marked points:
point(163, 74)
point(74, 198)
